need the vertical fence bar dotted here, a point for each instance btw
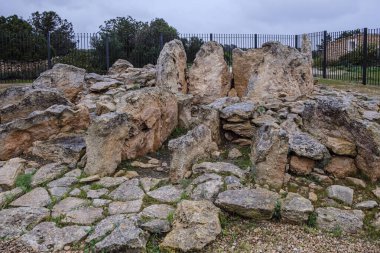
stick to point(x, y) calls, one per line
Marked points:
point(210, 36)
point(255, 40)
point(365, 56)
point(49, 50)
point(296, 41)
point(324, 64)
point(107, 52)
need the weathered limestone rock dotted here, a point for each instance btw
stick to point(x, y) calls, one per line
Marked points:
point(340, 146)
point(63, 182)
point(127, 191)
point(272, 72)
point(295, 208)
point(10, 170)
point(269, 153)
point(38, 197)
point(66, 78)
point(303, 144)
point(65, 148)
point(339, 117)
point(8, 195)
point(219, 167)
point(171, 67)
point(234, 153)
point(238, 112)
point(134, 78)
point(15, 221)
point(196, 144)
point(125, 236)
point(166, 194)
point(196, 224)
point(108, 182)
point(209, 75)
point(365, 205)
point(376, 192)
point(341, 193)
point(17, 136)
point(156, 226)
point(341, 167)
point(120, 66)
point(104, 86)
point(330, 218)
point(258, 203)
point(157, 211)
point(244, 129)
point(142, 122)
point(119, 207)
point(21, 101)
point(301, 165)
point(47, 237)
point(47, 173)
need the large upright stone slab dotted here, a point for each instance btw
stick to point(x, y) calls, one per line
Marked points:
point(171, 67)
point(186, 149)
point(142, 122)
point(273, 71)
point(209, 77)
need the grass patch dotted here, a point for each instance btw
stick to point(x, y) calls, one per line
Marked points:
point(57, 220)
point(177, 132)
point(244, 161)
point(185, 182)
point(277, 211)
point(148, 201)
point(152, 246)
point(95, 186)
point(372, 232)
point(24, 182)
point(170, 217)
point(336, 232)
point(312, 220)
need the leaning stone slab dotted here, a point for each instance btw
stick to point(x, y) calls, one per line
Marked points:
point(196, 224)
point(296, 208)
point(258, 203)
point(341, 193)
point(330, 218)
point(10, 170)
point(15, 221)
point(38, 197)
point(47, 237)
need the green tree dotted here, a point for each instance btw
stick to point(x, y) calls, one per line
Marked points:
point(192, 46)
point(61, 31)
point(133, 40)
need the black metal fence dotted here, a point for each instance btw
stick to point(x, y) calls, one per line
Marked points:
point(351, 56)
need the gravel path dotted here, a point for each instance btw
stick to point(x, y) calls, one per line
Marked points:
point(243, 236)
point(13, 247)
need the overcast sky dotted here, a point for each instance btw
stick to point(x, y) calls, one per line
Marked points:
point(216, 16)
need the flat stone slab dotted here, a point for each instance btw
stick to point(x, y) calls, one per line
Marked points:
point(15, 221)
point(68, 204)
point(125, 236)
point(106, 225)
point(63, 182)
point(219, 167)
point(296, 209)
point(101, 202)
point(243, 110)
point(9, 195)
point(207, 190)
point(47, 173)
point(330, 218)
point(157, 211)
point(166, 194)
point(94, 194)
point(83, 215)
point(108, 182)
point(252, 203)
point(341, 193)
point(119, 207)
point(128, 191)
point(156, 226)
point(38, 197)
point(365, 205)
point(58, 192)
point(148, 183)
point(47, 237)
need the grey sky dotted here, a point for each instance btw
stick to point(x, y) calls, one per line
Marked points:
point(216, 16)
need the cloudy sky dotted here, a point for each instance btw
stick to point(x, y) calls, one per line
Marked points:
point(216, 16)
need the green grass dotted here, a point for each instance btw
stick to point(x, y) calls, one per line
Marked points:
point(170, 217)
point(177, 132)
point(277, 211)
point(336, 232)
point(152, 246)
point(95, 186)
point(24, 182)
point(244, 161)
point(312, 220)
point(371, 232)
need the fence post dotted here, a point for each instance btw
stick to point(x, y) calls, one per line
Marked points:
point(49, 50)
point(161, 41)
point(296, 41)
point(324, 63)
point(255, 40)
point(107, 52)
point(210, 36)
point(365, 55)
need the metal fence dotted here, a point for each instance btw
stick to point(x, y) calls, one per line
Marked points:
point(351, 55)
